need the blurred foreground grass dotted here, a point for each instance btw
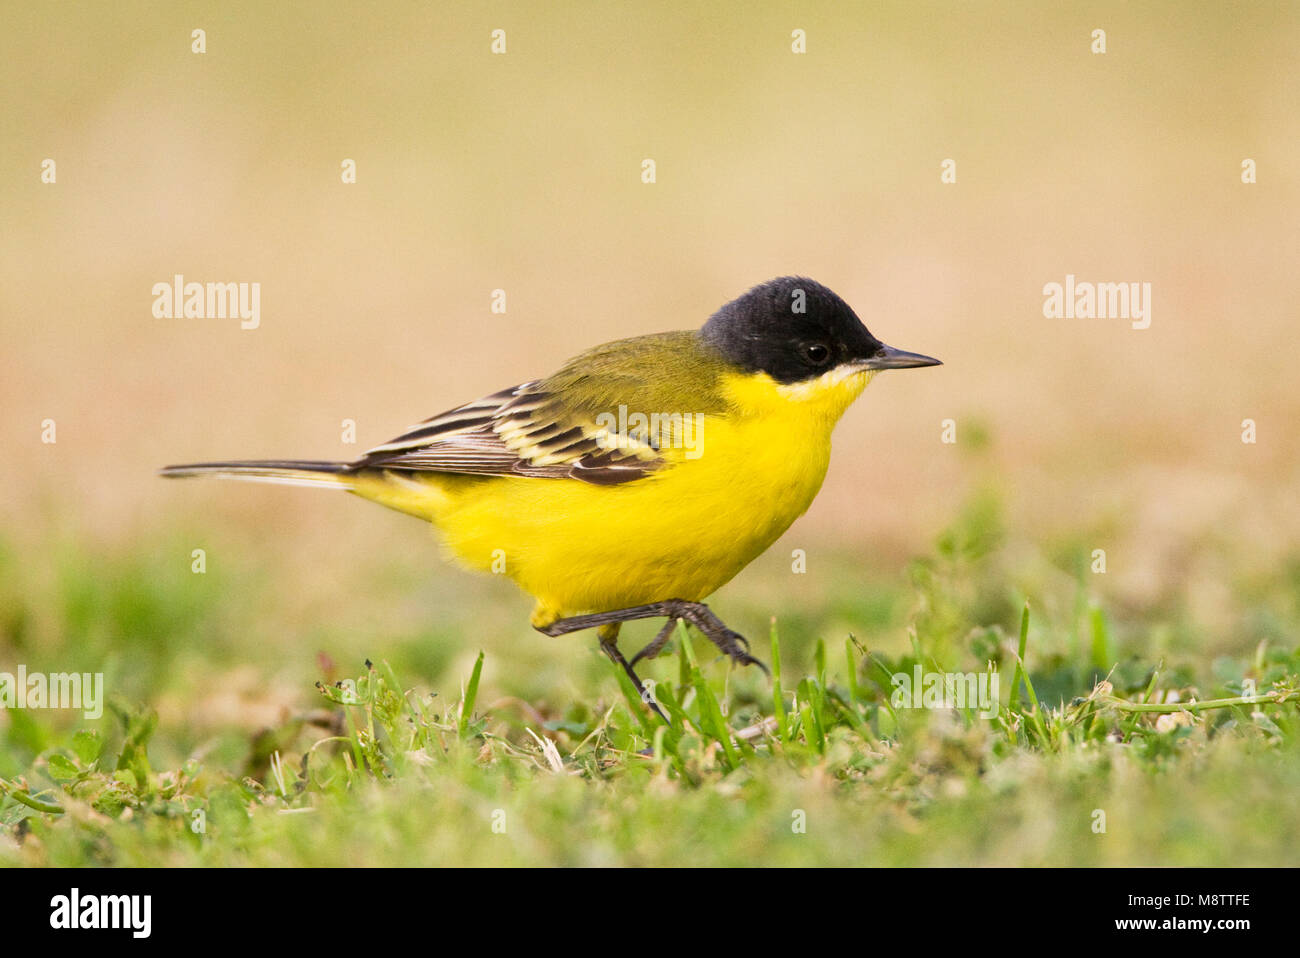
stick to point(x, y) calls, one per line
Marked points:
point(1132, 742)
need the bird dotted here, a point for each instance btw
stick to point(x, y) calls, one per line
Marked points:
point(640, 477)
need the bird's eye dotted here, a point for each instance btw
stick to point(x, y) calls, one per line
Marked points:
point(817, 353)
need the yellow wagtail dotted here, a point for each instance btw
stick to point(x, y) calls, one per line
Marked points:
point(640, 477)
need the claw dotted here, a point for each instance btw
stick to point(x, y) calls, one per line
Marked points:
point(656, 645)
point(736, 647)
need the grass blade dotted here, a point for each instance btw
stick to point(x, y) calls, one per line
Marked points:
point(467, 703)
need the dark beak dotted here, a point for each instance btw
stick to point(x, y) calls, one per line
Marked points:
point(887, 357)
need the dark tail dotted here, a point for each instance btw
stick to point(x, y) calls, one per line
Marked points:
point(292, 472)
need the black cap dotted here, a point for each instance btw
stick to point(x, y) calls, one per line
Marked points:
point(795, 329)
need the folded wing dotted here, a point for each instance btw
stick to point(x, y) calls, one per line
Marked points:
point(523, 431)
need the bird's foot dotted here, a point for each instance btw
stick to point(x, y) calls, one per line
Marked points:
point(656, 645)
point(736, 646)
point(609, 645)
point(730, 643)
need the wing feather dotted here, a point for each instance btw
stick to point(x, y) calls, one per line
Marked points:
point(522, 431)
point(555, 428)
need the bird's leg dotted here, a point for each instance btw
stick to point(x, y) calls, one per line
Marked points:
point(657, 643)
point(729, 643)
point(608, 634)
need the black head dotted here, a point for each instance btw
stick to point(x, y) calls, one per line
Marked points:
point(794, 329)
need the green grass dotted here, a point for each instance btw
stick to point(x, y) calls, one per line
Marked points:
point(1100, 753)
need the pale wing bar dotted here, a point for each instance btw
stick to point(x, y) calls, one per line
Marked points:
point(523, 431)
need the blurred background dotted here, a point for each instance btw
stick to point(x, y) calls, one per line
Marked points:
point(478, 171)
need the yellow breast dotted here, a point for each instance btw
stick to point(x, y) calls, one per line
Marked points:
point(679, 533)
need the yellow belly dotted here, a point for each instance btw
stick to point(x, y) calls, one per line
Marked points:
point(679, 533)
